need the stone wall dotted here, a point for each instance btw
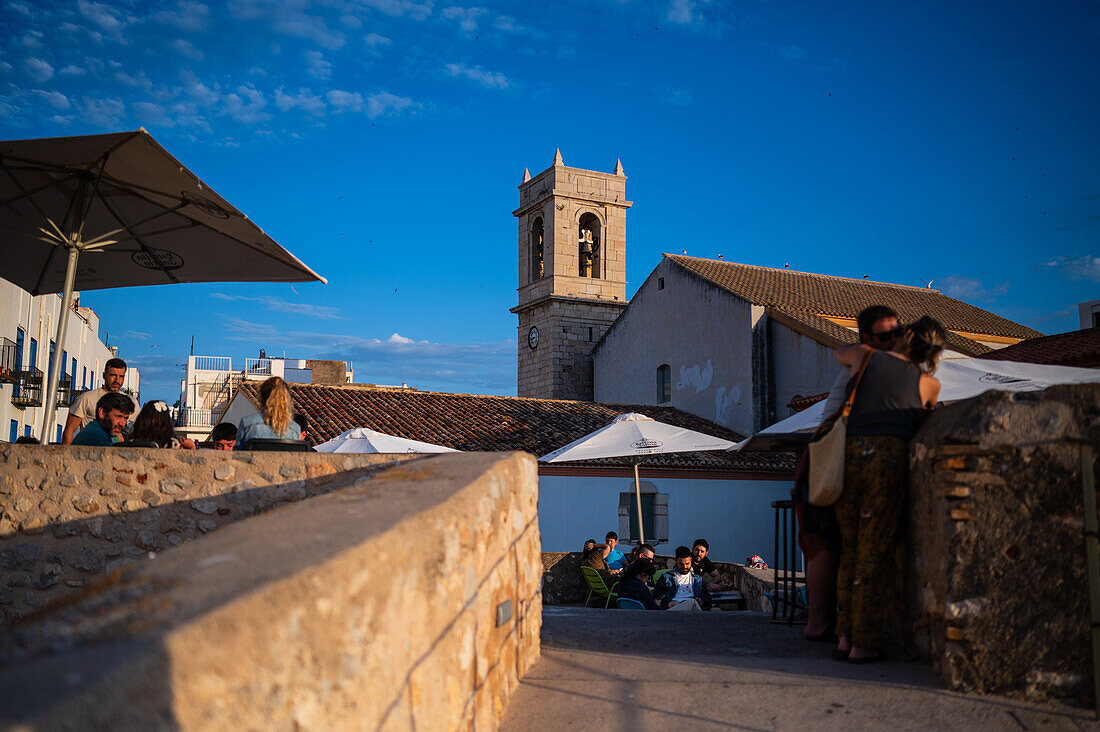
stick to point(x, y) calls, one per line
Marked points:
point(997, 591)
point(562, 583)
point(406, 598)
point(71, 514)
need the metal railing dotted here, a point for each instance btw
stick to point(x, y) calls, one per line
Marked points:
point(65, 393)
point(257, 366)
point(9, 357)
point(213, 363)
point(27, 391)
point(192, 417)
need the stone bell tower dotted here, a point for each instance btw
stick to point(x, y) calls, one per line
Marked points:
point(572, 275)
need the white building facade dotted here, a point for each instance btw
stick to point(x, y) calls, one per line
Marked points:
point(28, 326)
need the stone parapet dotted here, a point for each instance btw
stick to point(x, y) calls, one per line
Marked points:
point(71, 514)
point(407, 598)
point(998, 593)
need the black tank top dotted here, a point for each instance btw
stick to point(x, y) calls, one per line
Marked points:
point(888, 401)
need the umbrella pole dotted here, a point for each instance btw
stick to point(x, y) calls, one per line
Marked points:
point(54, 376)
point(638, 503)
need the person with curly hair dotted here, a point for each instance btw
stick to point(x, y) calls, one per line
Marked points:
point(897, 387)
point(276, 417)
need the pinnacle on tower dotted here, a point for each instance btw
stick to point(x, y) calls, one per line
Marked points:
point(619, 167)
point(557, 157)
point(526, 175)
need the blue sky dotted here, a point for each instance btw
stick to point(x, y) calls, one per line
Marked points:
point(382, 141)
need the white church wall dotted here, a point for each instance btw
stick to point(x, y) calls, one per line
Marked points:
point(701, 332)
point(735, 516)
point(802, 367)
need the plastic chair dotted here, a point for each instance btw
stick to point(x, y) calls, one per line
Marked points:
point(627, 603)
point(271, 444)
point(658, 573)
point(598, 586)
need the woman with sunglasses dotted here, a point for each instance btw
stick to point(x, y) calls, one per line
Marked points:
point(895, 390)
point(154, 424)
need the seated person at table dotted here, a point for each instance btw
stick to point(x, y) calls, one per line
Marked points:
point(154, 424)
point(679, 588)
point(595, 555)
point(112, 412)
point(642, 551)
point(616, 560)
point(702, 566)
point(276, 417)
point(635, 581)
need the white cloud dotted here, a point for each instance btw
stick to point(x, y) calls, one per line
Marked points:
point(55, 99)
point(507, 23)
point(283, 306)
point(289, 17)
point(345, 101)
point(793, 52)
point(5, 67)
point(246, 105)
point(399, 8)
point(186, 49)
point(197, 90)
point(32, 39)
point(20, 8)
point(72, 70)
point(136, 335)
point(350, 21)
point(188, 16)
point(676, 97)
point(153, 115)
point(106, 17)
point(104, 112)
point(466, 17)
point(38, 69)
point(317, 66)
point(1086, 267)
point(386, 103)
point(969, 288)
point(681, 11)
point(304, 100)
point(488, 79)
point(139, 80)
point(375, 41)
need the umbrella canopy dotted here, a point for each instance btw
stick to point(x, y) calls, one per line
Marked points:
point(362, 439)
point(635, 434)
point(960, 378)
point(137, 215)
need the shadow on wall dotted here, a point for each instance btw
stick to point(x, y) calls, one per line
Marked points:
point(43, 565)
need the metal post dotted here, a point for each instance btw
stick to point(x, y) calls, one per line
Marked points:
point(638, 503)
point(54, 376)
point(1089, 486)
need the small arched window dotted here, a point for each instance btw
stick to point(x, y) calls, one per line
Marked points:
point(538, 253)
point(664, 384)
point(588, 246)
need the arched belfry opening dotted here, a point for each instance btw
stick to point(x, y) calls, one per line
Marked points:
point(538, 250)
point(588, 246)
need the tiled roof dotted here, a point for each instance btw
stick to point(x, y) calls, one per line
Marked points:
point(497, 423)
point(1076, 348)
point(809, 293)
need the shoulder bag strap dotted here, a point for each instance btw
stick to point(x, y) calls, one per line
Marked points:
point(852, 397)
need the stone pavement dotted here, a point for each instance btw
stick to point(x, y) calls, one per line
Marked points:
point(633, 670)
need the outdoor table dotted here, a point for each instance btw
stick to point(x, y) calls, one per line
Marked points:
point(729, 600)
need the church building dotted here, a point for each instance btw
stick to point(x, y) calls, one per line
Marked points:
point(739, 345)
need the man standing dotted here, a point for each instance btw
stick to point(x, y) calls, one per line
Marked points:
point(818, 534)
point(679, 589)
point(83, 409)
point(111, 415)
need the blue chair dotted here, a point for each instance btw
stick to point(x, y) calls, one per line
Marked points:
point(626, 603)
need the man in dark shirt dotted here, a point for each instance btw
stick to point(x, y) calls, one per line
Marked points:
point(634, 583)
point(112, 412)
point(702, 566)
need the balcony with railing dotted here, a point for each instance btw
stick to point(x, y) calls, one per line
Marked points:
point(65, 393)
point(9, 360)
point(27, 388)
point(191, 417)
point(259, 367)
point(210, 363)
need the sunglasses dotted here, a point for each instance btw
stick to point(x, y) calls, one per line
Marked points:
point(888, 335)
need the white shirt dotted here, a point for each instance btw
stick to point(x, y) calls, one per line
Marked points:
point(683, 586)
point(84, 406)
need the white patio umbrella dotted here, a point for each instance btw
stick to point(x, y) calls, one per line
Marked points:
point(362, 439)
point(960, 378)
point(634, 434)
point(143, 217)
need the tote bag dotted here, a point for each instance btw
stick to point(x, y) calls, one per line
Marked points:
point(827, 454)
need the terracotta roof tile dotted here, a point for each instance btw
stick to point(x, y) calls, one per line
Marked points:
point(498, 423)
point(1076, 348)
point(806, 292)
